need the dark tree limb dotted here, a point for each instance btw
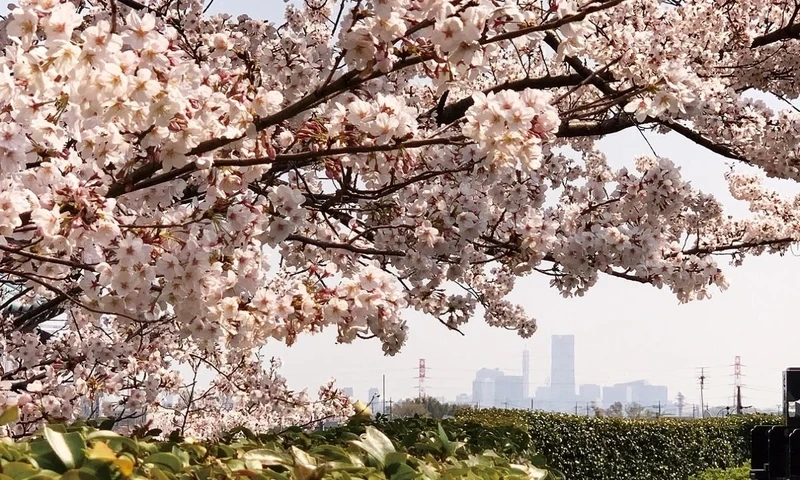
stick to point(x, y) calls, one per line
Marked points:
point(786, 33)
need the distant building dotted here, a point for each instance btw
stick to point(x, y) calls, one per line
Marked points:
point(347, 392)
point(541, 400)
point(589, 393)
point(562, 372)
point(526, 373)
point(639, 391)
point(483, 387)
point(508, 392)
point(614, 394)
point(493, 388)
point(463, 399)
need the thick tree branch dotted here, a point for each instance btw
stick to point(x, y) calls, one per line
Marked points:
point(456, 110)
point(343, 246)
point(286, 161)
point(788, 32)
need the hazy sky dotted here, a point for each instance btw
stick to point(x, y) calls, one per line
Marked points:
point(624, 331)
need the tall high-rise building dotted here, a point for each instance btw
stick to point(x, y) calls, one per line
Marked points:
point(562, 372)
point(526, 373)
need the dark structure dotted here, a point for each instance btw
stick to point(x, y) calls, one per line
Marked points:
point(775, 453)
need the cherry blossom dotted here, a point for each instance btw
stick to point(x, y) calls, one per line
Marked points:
point(180, 191)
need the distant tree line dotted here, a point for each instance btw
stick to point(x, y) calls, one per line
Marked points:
point(426, 407)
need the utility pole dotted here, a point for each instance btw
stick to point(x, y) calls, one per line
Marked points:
point(531, 404)
point(587, 409)
point(390, 408)
point(658, 415)
point(702, 387)
point(383, 396)
point(576, 408)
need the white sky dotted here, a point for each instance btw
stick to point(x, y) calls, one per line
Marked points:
point(624, 331)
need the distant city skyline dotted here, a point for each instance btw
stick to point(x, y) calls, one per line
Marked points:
point(520, 390)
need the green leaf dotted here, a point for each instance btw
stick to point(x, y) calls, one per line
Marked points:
point(19, 470)
point(157, 474)
point(113, 439)
point(182, 456)
point(167, 460)
point(395, 457)
point(267, 458)
point(302, 458)
point(9, 415)
point(331, 453)
point(274, 475)
point(67, 446)
point(400, 471)
point(80, 474)
point(44, 457)
point(375, 443)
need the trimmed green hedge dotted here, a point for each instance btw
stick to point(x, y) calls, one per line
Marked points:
point(739, 473)
point(591, 448)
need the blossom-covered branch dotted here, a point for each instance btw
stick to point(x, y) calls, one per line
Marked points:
point(182, 189)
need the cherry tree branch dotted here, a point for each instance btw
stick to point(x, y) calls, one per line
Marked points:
point(788, 32)
point(343, 246)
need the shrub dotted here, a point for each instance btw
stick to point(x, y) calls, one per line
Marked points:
point(619, 449)
point(739, 473)
point(81, 452)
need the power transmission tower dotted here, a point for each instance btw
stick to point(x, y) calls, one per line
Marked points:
point(421, 378)
point(738, 400)
point(737, 384)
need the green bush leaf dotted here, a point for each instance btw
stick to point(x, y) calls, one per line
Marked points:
point(19, 470)
point(67, 446)
point(9, 415)
point(376, 444)
point(113, 439)
point(400, 471)
point(268, 458)
point(167, 460)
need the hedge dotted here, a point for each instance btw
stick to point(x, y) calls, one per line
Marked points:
point(739, 473)
point(83, 452)
point(602, 448)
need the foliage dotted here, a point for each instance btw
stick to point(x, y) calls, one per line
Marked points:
point(424, 407)
point(419, 434)
point(80, 452)
point(738, 473)
point(634, 449)
point(180, 190)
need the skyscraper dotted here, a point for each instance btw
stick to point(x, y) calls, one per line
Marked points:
point(562, 372)
point(526, 373)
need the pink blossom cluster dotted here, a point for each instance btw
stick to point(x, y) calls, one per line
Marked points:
point(179, 191)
